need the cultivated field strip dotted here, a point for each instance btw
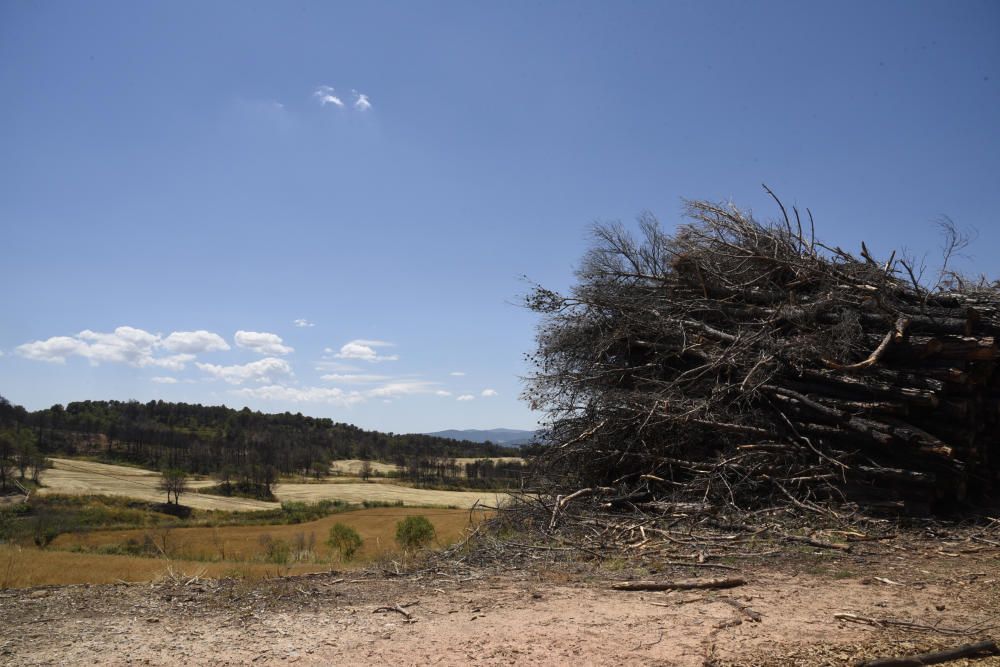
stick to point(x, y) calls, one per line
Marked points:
point(72, 477)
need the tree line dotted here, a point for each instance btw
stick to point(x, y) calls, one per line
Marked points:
point(240, 445)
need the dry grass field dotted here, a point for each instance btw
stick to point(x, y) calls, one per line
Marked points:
point(352, 467)
point(72, 477)
point(75, 558)
point(358, 492)
point(24, 567)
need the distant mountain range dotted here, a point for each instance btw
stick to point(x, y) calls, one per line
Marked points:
point(510, 437)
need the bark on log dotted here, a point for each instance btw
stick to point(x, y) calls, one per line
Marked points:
point(679, 585)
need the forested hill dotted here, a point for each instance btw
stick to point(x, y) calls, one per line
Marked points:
point(206, 439)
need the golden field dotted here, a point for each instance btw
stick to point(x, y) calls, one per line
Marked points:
point(74, 477)
point(218, 551)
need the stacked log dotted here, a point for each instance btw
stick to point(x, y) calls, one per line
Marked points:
point(747, 362)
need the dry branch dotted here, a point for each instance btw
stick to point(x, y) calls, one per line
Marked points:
point(680, 585)
point(741, 364)
point(978, 650)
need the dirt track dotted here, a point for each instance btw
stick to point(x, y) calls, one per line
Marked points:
point(537, 617)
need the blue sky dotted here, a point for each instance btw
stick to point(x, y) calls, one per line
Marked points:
point(181, 182)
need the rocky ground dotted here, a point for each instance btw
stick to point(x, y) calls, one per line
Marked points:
point(893, 598)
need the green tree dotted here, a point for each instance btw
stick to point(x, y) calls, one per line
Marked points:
point(345, 540)
point(414, 532)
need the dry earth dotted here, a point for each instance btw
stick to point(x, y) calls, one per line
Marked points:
point(542, 615)
point(71, 476)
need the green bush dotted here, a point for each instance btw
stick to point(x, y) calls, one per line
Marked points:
point(345, 540)
point(414, 532)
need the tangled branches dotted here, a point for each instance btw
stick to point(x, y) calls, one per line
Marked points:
point(736, 362)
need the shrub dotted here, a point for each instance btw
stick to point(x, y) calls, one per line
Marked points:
point(345, 540)
point(414, 532)
point(275, 550)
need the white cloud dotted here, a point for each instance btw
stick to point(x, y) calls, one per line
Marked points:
point(361, 101)
point(161, 379)
point(364, 350)
point(457, 374)
point(262, 343)
point(263, 370)
point(302, 322)
point(127, 345)
point(466, 397)
point(174, 362)
point(335, 395)
point(55, 349)
point(401, 388)
point(442, 392)
point(488, 392)
point(194, 342)
point(325, 96)
point(353, 378)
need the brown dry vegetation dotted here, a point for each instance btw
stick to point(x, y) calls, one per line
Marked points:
point(243, 543)
point(77, 558)
point(24, 567)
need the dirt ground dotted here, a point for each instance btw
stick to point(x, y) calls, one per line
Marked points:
point(530, 612)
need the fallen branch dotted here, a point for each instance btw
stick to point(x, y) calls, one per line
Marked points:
point(977, 650)
point(396, 608)
point(680, 585)
point(743, 609)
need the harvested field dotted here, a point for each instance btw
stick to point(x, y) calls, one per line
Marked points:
point(352, 467)
point(73, 477)
point(390, 493)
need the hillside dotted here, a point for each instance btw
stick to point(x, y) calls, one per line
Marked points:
point(213, 439)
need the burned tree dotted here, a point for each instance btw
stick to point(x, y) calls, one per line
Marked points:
point(738, 362)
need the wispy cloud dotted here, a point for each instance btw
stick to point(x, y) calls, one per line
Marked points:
point(161, 379)
point(332, 395)
point(325, 95)
point(336, 395)
point(126, 345)
point(488, 392)
point(442, 392)
point(303, 323)
point(263, 370)
point(354, 378)
point(457, 374)
point(466, 397)
point(361, 101)
point(262, 343)
point(364, 350)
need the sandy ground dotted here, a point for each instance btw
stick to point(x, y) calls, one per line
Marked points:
point(71, 476)
point(518, 616)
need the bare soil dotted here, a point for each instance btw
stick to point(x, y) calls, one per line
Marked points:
point(531, 612)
